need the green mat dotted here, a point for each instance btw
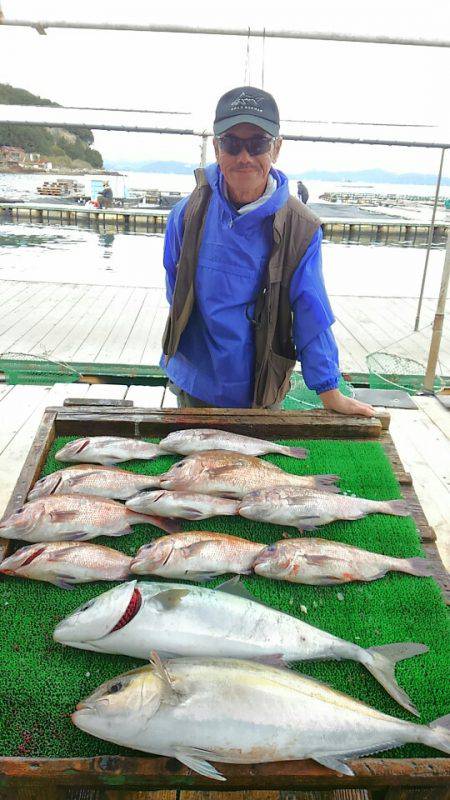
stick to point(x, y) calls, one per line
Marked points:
point(41, 682)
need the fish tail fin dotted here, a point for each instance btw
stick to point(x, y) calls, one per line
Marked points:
point(327, 483)
point(294, 452)
point(437, 734)
point(167, 524)
point(381, 665)
point(399, 508)
point(417, 566)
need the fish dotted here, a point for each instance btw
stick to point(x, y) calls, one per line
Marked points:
point(196, 440)
point(108, 450)
point(196, 555)
point(306, 508)
point(73, 517)
point(235, 475)
point(92, 479)
point(230, 711)
point(181, 620)
point(67, 563)
point(186, 505)
point(321, 562)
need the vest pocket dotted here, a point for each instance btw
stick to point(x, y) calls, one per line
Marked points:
point(278, 372)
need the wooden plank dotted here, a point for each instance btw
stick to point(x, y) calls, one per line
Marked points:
point(134, 347)
point(13, 455)
point(31, 295)
point(93, 344)
point(4, 391)
point(425, 451)
point(435, 411)
point(92, 312)
point(118, 794)
point(32, 339)
point(254, 422)
point(106, 391)
point(146, 396)
point(163, 773)
point(153, 348)
point(10, 289)
point(117, 337)
point(17, 406)
point(20, 325)
point(169, 400)
point(352, 356)
point(65, 328)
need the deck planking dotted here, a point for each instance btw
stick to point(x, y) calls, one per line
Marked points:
point(124, 325)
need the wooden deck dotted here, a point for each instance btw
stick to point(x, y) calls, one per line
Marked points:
point(124, 325)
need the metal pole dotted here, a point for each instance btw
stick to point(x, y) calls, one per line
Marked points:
point(203, 150)
point(330, 36)
point(433, 355)
point(430, 240)
point(50, 118)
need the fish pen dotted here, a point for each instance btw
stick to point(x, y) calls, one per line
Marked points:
point(42, 682)
point(345, 230)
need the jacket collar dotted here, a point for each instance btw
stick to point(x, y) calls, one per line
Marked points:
point(271, 206)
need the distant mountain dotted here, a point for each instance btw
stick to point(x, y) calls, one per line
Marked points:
point(372, 176)
point(64, 147)
point(173, 167)
point(366, 175)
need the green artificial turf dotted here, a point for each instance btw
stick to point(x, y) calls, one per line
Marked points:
point(41, 681)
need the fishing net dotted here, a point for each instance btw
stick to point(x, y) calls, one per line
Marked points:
point(29, 368)
point(390, 371)
point(300, 397)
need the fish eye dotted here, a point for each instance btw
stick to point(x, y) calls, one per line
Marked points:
point(116, 687)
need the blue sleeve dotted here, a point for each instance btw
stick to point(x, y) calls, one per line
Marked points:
point(313, 317)
point(172, 245)
point(320, 363)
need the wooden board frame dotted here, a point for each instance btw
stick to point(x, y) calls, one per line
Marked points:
point(150, 772)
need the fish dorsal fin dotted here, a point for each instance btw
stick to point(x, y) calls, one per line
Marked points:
point(235, 587)
point(170, 695)
point(335, 763)
point(215, 472)
point(168, 599)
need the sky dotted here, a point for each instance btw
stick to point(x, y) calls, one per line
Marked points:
point(311, 80)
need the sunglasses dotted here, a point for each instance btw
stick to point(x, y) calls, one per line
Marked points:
point(255, 145)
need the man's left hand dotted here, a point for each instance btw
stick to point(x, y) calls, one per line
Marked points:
point(334, 400)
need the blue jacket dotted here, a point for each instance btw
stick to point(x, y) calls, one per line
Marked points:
point(215, 358)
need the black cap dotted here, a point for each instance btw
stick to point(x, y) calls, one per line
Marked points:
point(247, 104)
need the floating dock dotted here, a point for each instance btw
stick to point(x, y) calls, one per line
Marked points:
point(337, 229)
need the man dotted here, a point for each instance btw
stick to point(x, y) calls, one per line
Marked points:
point(302, 192)
point(244, 275)
point(105, 197)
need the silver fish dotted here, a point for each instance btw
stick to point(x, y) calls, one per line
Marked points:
point(196, 555)
point(196, 440)
point(234, 475)
point(108, 450)
point(320, 562)
point(92, 479)
point(199, 710)
point(67, 563)
point(180, 620)
point(307, 508)
point(70, 517)
point(186, 505)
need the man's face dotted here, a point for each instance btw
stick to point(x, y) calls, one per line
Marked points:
point(246, 175)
